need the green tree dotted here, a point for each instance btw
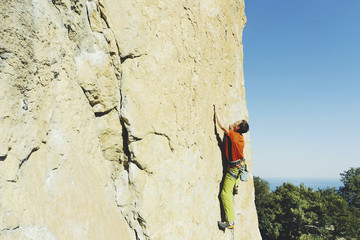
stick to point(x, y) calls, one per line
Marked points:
point(310, 237)
point(298, 215)
point(352, 223)
point(333, 213)
point(351, 189)
point(351, 193)
point(266, 210)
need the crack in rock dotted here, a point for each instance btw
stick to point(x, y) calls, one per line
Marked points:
point(2, 158)
point(126, 142)
point(28, 156)
point(168, 138)
point(101, 114)
point(10, 229)
point(130, 56)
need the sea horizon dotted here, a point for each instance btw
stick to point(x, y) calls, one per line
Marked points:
point(314, 183)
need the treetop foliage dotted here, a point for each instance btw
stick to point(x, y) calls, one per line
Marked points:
point(301, 213)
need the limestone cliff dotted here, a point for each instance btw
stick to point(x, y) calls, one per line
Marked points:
point(106, 118)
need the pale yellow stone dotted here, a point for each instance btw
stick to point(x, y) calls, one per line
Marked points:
point(94, 17)
point(9, 169)
point(151, 151)
point(97, 77)
point(106, 126)
point(111, 136)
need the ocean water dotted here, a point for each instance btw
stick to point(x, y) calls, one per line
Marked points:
point(314, 183)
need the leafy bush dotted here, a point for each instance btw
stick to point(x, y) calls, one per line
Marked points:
point(292, 212)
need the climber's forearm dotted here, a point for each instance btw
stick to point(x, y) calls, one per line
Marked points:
point(220, 122)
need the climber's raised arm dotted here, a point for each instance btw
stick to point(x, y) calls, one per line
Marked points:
point(220, 122)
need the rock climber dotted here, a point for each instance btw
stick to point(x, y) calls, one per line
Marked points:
point(234, 148)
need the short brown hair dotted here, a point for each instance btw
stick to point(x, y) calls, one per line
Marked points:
point(243, 127)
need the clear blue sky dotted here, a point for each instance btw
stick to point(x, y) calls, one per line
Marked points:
point(302, 81)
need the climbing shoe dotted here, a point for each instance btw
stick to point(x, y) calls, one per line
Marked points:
point(236, 190)
point(224, 225)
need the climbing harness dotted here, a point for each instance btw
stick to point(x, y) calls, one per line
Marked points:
point(242, 170)
point(235, 164)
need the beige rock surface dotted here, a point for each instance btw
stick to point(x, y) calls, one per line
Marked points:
point(106, 118)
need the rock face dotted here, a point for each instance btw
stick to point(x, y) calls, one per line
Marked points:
point(106, 120)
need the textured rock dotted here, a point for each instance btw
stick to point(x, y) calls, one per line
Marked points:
point(106, 118)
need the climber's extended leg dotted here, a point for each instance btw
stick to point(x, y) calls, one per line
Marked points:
point(227, 198)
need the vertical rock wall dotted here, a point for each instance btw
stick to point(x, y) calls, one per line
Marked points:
point(106, 118)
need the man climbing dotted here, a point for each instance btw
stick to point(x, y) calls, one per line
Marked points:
point(234, 148)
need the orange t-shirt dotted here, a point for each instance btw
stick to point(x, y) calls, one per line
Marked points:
point(237, 145)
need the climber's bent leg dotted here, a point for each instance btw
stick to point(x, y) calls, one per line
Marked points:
point(227, 195)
